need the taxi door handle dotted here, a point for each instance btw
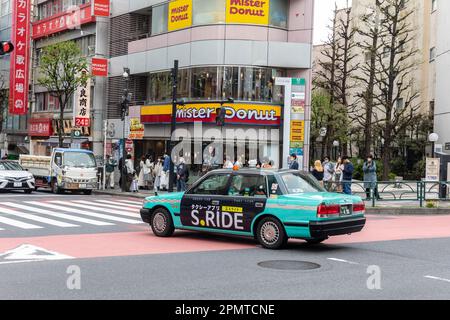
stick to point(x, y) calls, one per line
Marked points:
point(259, 204)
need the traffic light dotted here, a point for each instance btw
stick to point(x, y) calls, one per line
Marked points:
point(6, 47)
point(220, 116)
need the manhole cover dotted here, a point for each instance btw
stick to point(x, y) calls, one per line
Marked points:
point(289, 265)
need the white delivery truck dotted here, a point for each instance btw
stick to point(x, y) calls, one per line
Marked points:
point(65, 169)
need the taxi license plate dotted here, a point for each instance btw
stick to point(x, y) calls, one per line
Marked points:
point(346, 210)
point(17, 184)
point(82, 186)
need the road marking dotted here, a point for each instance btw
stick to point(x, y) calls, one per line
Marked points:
point(92, 214)
point(107, 205)
point(18, 224)
point(342, 260)
point(30, 253)
point(131, 202)
point(37, 218)
point(437, 278)
point(120, 204)
point(92, 207)
point(58, 215)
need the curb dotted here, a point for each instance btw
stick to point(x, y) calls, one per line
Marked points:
point(125, 195)
point(408, 211)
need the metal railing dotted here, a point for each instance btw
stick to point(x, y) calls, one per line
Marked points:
point(420, 191)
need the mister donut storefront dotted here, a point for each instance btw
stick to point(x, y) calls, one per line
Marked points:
point(250, 128)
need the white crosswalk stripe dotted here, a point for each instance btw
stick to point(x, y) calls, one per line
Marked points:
point(36, 218)
point(57, 215)
point(131, 202)
point(111, 206)
point(65, 208)
point(92, 206)
point(18, 224)
point(122, 205)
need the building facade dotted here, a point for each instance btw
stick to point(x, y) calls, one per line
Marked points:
point(57, 21)
point(228, 51)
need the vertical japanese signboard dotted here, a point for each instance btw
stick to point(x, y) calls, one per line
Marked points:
point(101, 8)
point(20, 57)
point(82, 110)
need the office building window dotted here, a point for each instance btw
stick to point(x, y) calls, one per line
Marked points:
point(279, 13)
point(208, 11)
point(159, 19)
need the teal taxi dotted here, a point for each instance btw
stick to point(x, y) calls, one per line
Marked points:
point(271, 206)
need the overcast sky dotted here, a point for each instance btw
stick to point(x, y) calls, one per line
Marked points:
point(323, 12)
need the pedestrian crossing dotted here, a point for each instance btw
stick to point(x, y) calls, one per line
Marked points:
point(29, 215)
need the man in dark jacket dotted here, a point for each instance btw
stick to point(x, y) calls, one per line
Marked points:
point(347, 175)
point(182, 175)
point(294, 162)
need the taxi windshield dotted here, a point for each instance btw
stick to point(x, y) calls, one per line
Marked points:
point(79, 160)
point(300, 183)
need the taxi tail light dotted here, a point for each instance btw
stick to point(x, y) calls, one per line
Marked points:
point(327, 211)
point(359, 207)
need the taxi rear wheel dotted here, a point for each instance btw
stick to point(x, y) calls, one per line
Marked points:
point(270, 234)
point(161, 223)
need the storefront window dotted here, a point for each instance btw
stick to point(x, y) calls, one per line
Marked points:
point(204, 83)
point(214, 83)
point(160, 87)
point(208, 11)
point(159, 19)
point(278, 13)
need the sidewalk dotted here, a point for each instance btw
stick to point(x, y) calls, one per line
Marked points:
point(406, 207)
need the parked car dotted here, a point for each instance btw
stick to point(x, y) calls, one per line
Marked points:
point(14, 177)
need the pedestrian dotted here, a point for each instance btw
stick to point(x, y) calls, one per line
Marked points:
point(370, 178)
point(328, 173)
point(157, 171)
point(182, 175)
point(143, 173)
point(228, 164)
point(238, 164)
point(121, 171)
point(5, 156)
point(110, 166)
point(347, 175)
point(130, 172)
point(294, 162)
point(318, 171)
point(338, 167)
point(150, 166)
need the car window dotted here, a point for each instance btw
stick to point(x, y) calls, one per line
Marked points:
point(274, 186)
point(10, 166)
point(213, 185)
point(58, 159)
point(298, 183)
point(248, 186)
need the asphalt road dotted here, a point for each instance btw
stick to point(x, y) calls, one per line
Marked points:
point(114, 256)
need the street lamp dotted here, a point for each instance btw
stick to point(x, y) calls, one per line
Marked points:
point(336, 146)
point(124, 112)
point(433, 138)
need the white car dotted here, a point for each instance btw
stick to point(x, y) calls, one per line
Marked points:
point(14, 177)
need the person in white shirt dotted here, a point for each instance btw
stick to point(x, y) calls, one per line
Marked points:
point(130, 172)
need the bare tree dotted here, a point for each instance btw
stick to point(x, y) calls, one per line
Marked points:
point(389, 98)
point(334, 76)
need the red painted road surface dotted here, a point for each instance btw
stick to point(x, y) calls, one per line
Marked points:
point(143, 242)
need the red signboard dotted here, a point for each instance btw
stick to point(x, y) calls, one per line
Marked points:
point(99, 67)
point(20, 57)
point(40, 128)
point(101, 8)
point(71, 19)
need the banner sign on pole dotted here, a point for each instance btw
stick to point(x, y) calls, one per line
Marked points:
point(82, 111)
point(20, 57)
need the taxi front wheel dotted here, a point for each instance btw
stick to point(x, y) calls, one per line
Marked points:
point(162, 223)
point(270, 234)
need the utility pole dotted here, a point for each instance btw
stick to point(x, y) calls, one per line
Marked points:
point(174, 75)
point(124, 113)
